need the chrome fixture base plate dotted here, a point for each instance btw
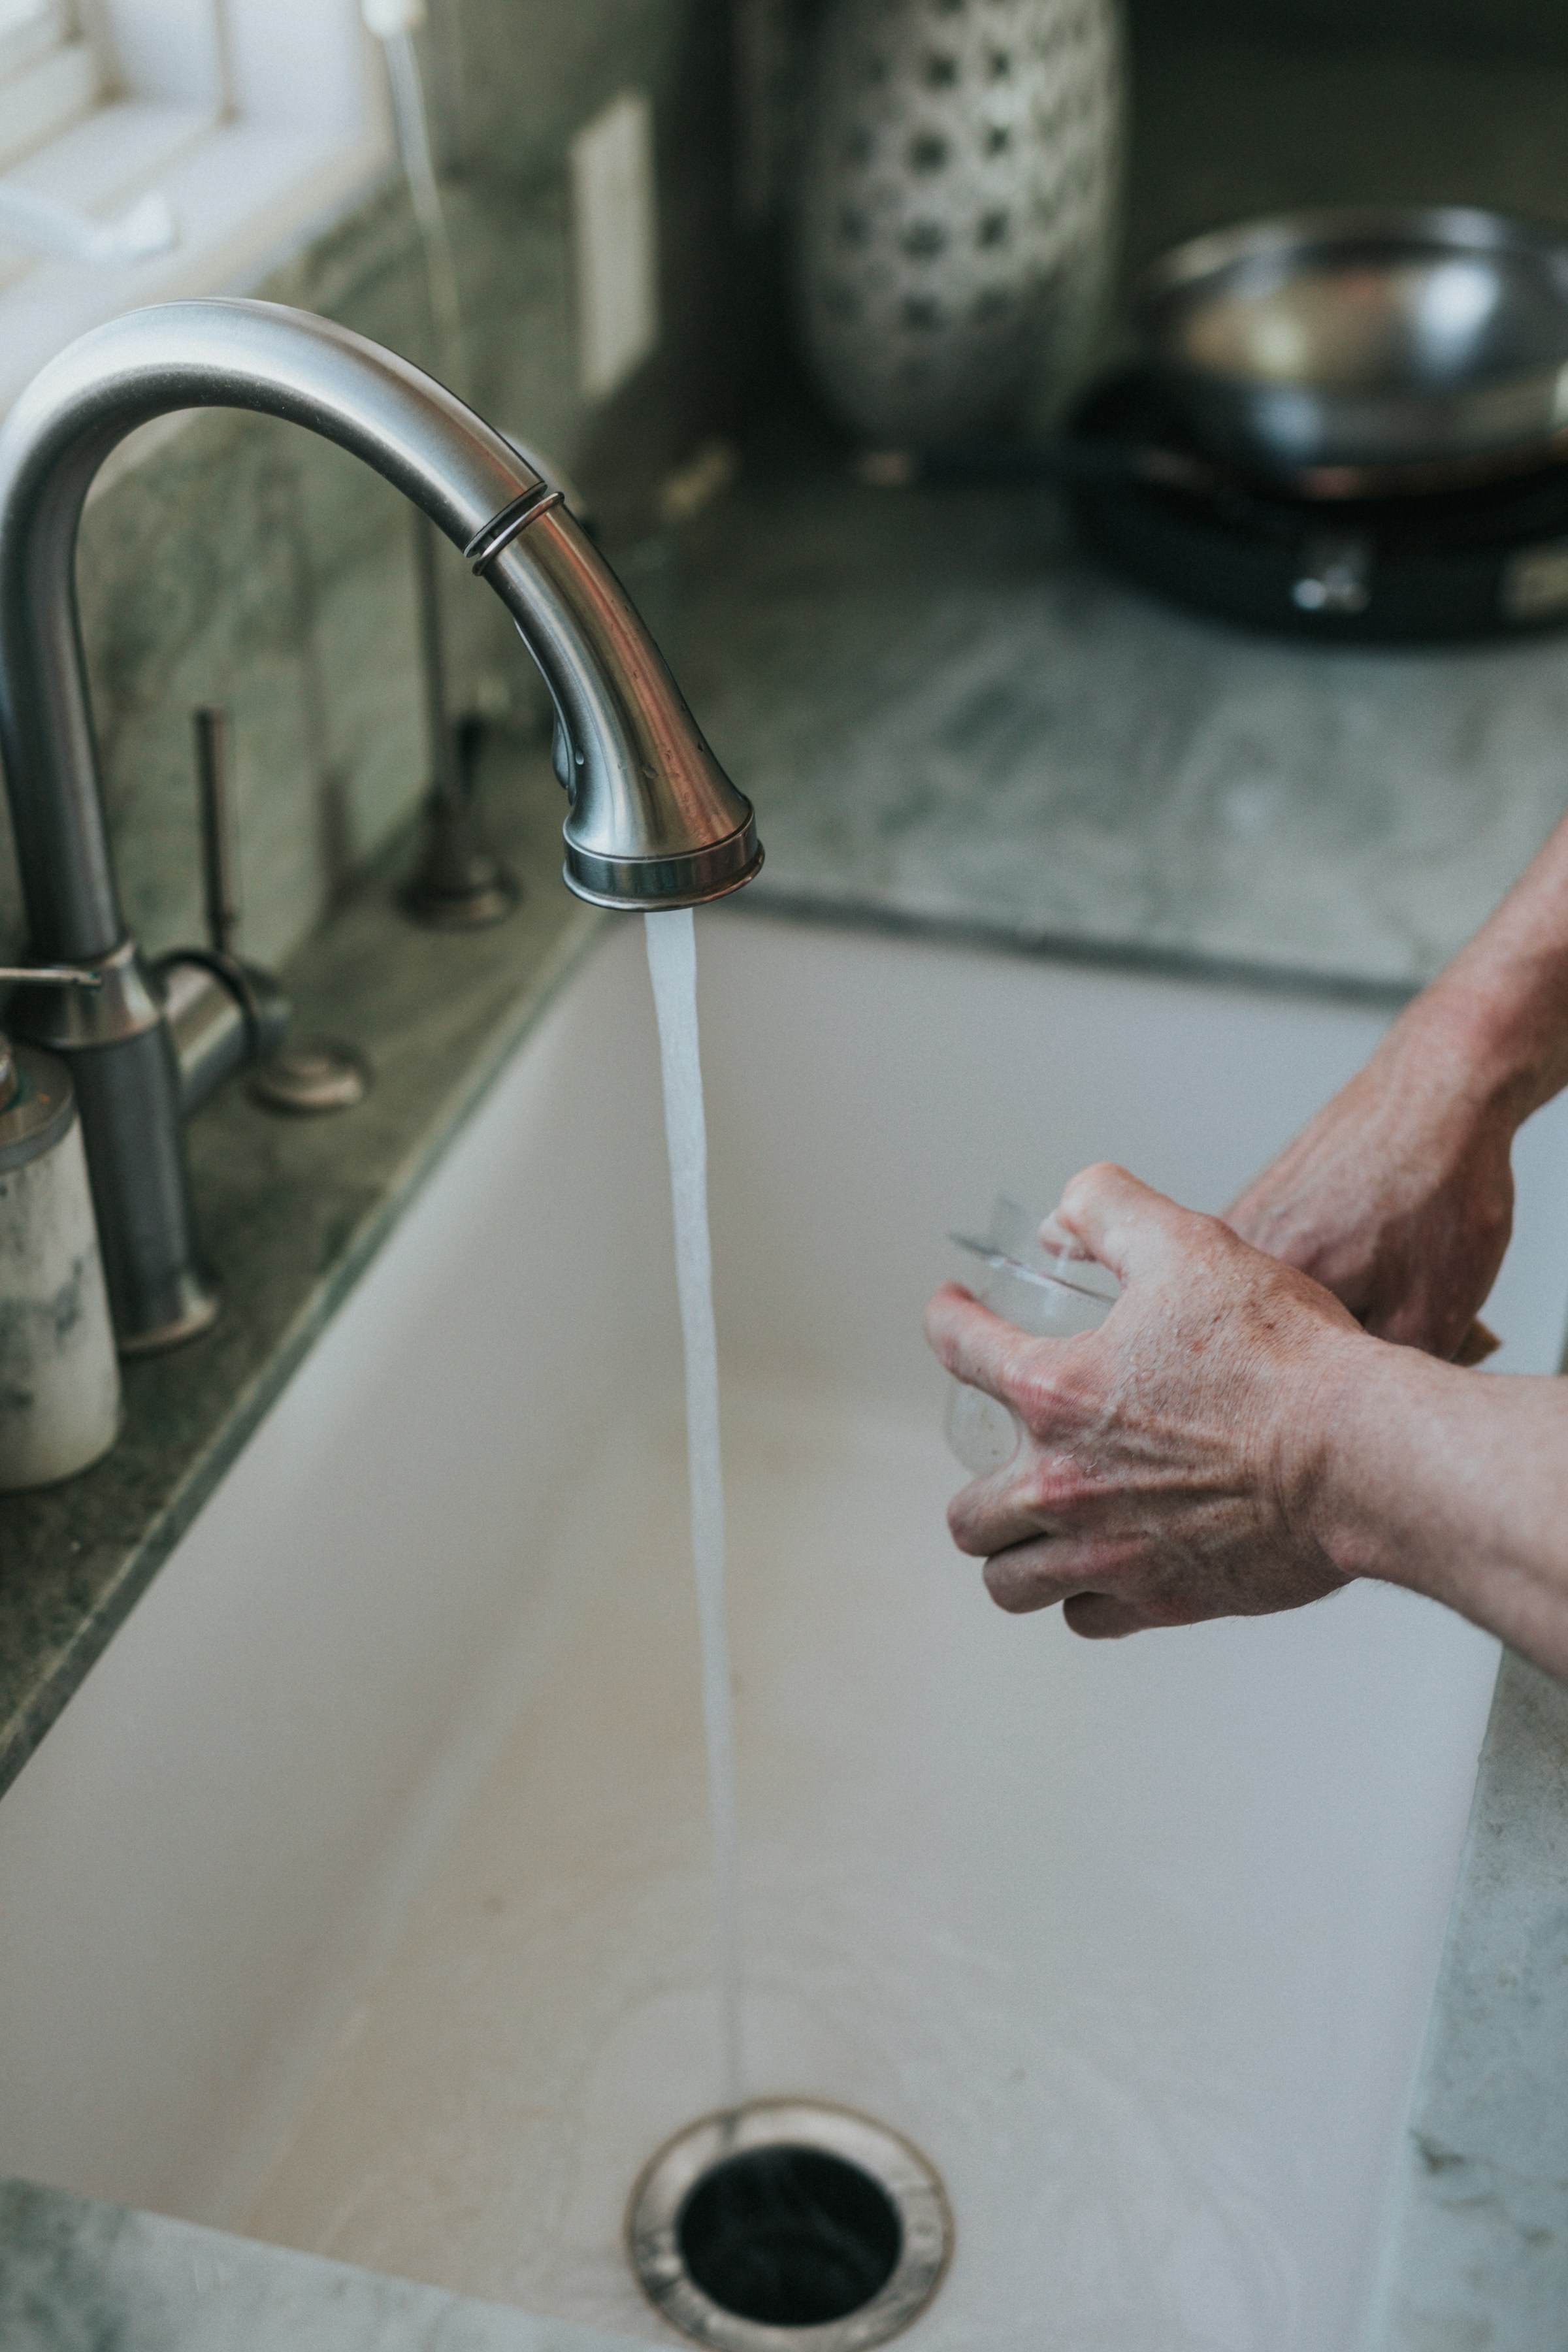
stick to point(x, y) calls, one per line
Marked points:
point(660, 2201)
point(194, 1309)
point(489, 896)
point(308, 1075)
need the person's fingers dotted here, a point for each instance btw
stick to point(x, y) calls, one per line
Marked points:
point(975, 1345)
point(1099, 1617)
point(1045, 1494)
point(992, 1515)
point(1125, 1225)
point(1477, 1344)
point(1043, 1569)
point(1048, 1573)
point(1055, 1240)
point(1035, 1574)
point(1107, 1585)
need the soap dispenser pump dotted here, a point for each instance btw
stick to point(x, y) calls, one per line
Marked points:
point(60, 1377)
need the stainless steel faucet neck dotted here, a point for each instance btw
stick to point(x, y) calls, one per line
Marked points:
point(218, 355)
point(653, 821)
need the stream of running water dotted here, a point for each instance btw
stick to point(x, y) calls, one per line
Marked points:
point(672, 965)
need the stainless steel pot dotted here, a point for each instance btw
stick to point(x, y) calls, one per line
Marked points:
point(1358, 353)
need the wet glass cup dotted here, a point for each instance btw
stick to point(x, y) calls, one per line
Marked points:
point(1050, 1293)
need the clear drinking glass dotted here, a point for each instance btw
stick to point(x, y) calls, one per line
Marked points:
point(1050, 1294)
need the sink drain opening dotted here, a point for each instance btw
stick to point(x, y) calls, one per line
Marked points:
point(789, 2215)
point(790, 2236)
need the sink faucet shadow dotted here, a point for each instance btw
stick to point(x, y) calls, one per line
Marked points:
point(654, 821)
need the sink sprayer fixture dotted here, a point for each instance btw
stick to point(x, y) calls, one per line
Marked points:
point(653, 821)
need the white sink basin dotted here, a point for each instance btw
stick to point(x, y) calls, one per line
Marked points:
point(358, 1899)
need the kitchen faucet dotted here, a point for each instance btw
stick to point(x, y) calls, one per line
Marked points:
point(653, 821)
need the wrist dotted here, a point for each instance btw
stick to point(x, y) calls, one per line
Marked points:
point(1326, 1429)
point(1468, 1057)
point(1492, 1030)
point(1377, 1406)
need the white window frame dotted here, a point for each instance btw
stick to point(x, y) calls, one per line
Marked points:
point(258, 120)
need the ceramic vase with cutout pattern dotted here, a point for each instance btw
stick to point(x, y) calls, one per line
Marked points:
point(957, 204)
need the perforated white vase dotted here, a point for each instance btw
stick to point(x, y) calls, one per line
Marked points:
point(957, 203)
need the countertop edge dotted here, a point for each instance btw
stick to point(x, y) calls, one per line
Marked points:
point(79, 2271)
point(786, 902)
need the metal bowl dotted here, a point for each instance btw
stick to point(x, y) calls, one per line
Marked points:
point(1367, 351)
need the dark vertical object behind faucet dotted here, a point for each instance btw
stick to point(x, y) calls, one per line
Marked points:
point(220, 880)
point(458, 886)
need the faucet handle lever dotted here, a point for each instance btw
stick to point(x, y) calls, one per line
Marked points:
point(220, 863)
point(222, 1012)
point(50, 975)
point(53, 975)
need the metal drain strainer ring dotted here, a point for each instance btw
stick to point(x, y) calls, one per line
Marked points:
point(788, 2224)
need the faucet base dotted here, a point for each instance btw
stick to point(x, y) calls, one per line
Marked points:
point(196, 1308)
point(486, 894)
point(309, 1077)
point(458, 886)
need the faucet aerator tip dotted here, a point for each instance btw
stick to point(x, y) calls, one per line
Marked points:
point(647, 885)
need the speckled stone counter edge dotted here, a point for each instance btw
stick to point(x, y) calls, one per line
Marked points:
point(1477, 2251)
point(75, 2273)
point(896, 918)
point(292, 1212)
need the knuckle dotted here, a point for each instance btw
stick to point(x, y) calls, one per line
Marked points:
point(1045, 1393)
point(1056, 1489)
point(1036, 1388)
point(1212, 1242)
point(1215, 1231)
point(1088, 1182)
point(960, 1526)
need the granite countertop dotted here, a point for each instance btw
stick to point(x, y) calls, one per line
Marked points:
point(949, 720)
point(76, 2273)
point(948, 716)
point(290, 1212)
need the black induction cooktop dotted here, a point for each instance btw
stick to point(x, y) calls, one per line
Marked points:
point(1488, 561)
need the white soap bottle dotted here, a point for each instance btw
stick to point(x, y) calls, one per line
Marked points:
point(60, 1377)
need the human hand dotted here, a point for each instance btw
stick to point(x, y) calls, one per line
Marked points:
point(1171, 1459)
point(1398, 1196)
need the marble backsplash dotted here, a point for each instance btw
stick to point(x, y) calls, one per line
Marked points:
point(235, 560)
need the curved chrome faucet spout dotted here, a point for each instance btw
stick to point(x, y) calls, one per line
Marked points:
point(653, 821)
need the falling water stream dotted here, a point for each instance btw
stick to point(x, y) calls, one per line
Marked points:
point(672, 965)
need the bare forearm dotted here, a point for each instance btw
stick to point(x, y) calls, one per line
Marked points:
point(1452, 1482)
point(1455, 1483)
point(1499, 1011)
point(1398, 1196)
